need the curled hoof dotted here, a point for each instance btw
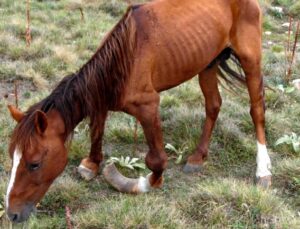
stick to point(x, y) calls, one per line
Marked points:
point(86, 173)
point(130, 185)
point(125, 184)
point(192, 168)
point(264, 182)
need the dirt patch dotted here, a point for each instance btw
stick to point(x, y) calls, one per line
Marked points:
point(7, 90)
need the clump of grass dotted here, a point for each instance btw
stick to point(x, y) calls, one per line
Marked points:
point(274, 65)
point(287, 177)
point(231, 144)
point(277, 48)
point(228, 203)
point(80, 142)
point(275, 100)
point(183, 125)
point(169, 101)
point(121, 128)
point(64, 54)
point(148, 212)
point(295, 9)
point(45, 221)
point(269, 23)
point(114, 7)
point(64, 190)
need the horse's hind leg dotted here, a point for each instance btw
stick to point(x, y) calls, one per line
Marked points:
point(246, 42)
point(89, 166)
point(209, 86)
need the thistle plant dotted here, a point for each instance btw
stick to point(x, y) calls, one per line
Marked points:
point(292, 139)
point(179, 152)
point(127, 162)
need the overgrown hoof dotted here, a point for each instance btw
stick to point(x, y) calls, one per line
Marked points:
point(125, 184)
point(190, 168)
point(88, 169)
point(264, 182)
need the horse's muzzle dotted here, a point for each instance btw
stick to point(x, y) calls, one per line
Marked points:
point(23, 215)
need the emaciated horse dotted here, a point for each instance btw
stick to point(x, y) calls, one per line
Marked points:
point(154, 47)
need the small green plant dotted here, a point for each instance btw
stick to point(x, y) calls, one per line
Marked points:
point(292, 139)
point(286, 89)
point(276, 12)
point(130, 163)
point(179, 152)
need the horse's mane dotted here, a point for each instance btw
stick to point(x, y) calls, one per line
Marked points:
point(96, 87)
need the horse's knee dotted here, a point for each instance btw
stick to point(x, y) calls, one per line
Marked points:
point(156, 162)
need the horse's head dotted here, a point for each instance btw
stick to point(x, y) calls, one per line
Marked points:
point(39, 156)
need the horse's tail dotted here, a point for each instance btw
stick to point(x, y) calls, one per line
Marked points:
point(230, 69)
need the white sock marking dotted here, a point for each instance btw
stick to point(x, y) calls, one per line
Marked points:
point(263, 161)
point(144, 184)
point(16, 161)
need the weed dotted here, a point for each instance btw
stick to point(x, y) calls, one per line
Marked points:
point(292, 139)
point(179, 152)
point(286, 89)
point(127, 162)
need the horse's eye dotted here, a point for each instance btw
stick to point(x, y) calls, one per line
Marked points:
point(34, 166)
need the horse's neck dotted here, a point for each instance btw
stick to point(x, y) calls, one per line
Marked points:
point(56, 123)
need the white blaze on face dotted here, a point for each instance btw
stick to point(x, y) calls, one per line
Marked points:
point(263, 161)
point(16, 161)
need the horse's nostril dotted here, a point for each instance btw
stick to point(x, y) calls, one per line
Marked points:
point(13, 217)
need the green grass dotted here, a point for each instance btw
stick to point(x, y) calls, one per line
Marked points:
point(228, 203)
point(222, 197)
point(292, 6)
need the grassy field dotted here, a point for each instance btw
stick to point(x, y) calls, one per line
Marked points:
point(223, 196)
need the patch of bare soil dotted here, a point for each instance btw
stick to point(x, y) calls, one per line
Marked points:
point(20, 88)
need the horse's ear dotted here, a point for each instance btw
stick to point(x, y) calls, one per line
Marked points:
point(40, 122)
point(15, 113)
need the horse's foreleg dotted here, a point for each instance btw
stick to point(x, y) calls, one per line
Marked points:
point(156, 159)
point(89, 166)
point(145, 109)
point(209, 86)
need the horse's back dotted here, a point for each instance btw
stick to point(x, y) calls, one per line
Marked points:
point(178, 39)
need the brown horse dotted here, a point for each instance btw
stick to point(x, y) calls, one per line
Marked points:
point(154, 47)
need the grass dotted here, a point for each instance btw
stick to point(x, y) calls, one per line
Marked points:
point(228, 203)
point(222, 197)
point(147, 213)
